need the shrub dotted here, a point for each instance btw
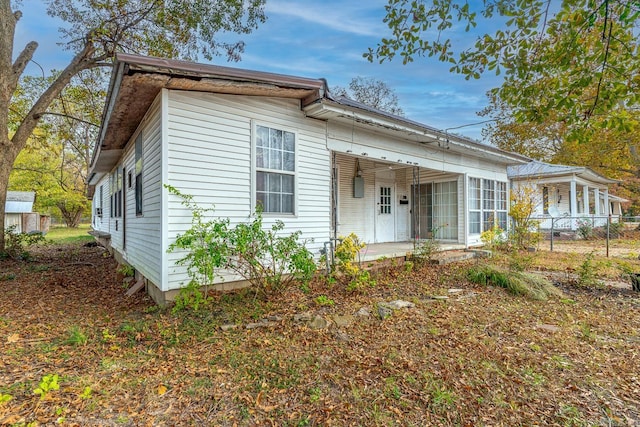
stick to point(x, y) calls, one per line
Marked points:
point(16, 244)
point(585, 228)
point(190, 298)
point(346, 253)
point(426, 250)
point(493, 237)
point(269, 261)
point(347, 256)
point(524, 230)
point(263, 257)
point(587, 273)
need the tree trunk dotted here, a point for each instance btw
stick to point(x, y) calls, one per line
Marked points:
point(9, 75)
point(5, 170)
point(71, 217)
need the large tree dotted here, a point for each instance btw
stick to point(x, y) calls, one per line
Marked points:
point(571, 68)
point(371, 92)
point(95, 32)
point(57, 157)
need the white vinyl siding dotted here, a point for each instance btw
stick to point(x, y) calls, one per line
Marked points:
point(209, 156)
point(101, 222)
point(143, 246)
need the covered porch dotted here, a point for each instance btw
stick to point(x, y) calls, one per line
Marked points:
point(393, 203)
point(564, 194)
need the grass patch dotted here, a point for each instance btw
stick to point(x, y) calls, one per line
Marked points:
point(65, 235)
point(515, 282)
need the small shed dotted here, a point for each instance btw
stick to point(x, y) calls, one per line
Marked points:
point(19, 213)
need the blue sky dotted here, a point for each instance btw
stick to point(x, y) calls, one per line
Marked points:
point(321, 39)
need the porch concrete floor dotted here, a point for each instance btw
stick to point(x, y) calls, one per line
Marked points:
point(375, 251)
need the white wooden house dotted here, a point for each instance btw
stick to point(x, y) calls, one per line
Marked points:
point(566, 194)
point(233, 138)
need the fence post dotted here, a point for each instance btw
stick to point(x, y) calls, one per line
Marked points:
point(553, 221)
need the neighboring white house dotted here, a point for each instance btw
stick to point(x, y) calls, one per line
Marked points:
point(233, 138)
point(567, 193)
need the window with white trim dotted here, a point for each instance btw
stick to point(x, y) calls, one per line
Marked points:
point(475, 207)
point(275, 161)
point(501, 204)
point(116, 193)
point(488, 204)
point(138, 172)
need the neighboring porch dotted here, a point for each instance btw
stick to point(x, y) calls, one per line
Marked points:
point(567, 203)
point(565, 194)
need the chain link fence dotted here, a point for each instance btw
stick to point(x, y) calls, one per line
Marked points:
point(605, 235)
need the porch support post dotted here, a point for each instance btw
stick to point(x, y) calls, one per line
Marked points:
point(585, 196)
point(596, 201)
point(607, 208)
point(573, 203)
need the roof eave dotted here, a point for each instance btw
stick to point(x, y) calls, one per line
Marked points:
point(326, 109)
point(137, 80)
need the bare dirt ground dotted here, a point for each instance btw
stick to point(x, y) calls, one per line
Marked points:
point(627, 247)
point(462, 355)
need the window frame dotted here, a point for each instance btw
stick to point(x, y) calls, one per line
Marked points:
point(493, 201)
point(116, 186)
point(255, 169)
point(475, 210)
point(138, 167)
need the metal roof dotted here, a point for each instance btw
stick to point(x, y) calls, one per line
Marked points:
point(537, 170)
point(136, 81)
point(19, 201)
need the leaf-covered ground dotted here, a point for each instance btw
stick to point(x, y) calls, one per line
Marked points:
point(478, 357)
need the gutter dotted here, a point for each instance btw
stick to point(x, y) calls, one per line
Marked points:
point(372, 118)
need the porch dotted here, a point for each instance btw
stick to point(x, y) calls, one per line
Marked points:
point(569, 203)
point(388, 203)
point(376, 251)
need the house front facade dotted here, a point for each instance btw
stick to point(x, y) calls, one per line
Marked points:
point(236, 139)
point(565, 195)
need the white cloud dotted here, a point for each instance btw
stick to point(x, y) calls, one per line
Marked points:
point(362, 20)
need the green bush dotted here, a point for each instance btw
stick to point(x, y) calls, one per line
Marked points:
point(16, 244)
point(190, 298)
point(269, 261)
point(585, 229)
point(262, 256)
point(587, 273)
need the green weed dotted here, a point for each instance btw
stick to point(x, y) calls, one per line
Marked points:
point(76, 336)
point(48, 384)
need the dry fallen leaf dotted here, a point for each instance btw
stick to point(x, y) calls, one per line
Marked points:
point(162, 389)
point(13, 338)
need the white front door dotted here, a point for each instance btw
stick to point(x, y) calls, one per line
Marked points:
point(385, 212)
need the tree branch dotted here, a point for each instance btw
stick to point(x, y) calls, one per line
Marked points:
point(37, 116)
point(81, 61)
point(21, 62)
